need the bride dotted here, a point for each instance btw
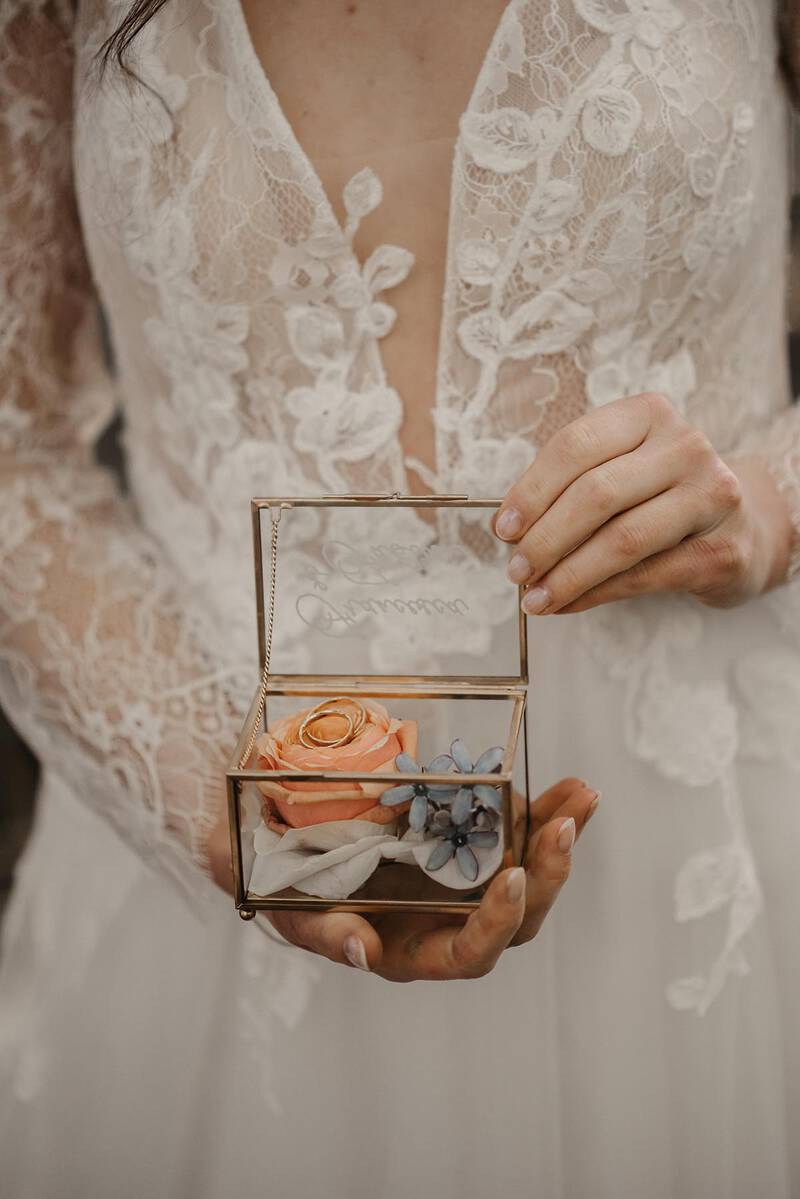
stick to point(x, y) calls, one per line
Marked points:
point(533, 249)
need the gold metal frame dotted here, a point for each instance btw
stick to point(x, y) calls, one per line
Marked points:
point(257, 506)
point(516, 815)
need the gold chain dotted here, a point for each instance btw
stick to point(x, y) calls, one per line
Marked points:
point(275, 513)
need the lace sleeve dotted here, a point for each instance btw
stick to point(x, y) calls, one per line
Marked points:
point(777, 443)
point(777, 446)
point(102, 663)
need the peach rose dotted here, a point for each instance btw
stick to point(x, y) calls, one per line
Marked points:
point(373, 749)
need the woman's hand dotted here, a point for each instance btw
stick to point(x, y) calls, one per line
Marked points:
point(628, 500)
point(404, 947)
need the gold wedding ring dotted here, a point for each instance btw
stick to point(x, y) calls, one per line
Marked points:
point(311, 741)
point(354, 726)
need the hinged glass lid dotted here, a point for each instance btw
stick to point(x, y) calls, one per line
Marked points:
point(412, 588)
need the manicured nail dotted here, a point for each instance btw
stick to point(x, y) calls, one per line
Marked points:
point(519, 568)
point(566, 835)
point(592, 807)
point(355, 952)
point(508, 524)
point(535, 600)
point(515, 885)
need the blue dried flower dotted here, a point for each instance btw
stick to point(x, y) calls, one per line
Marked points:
point(479, 798)
point(457, 839)
point(424, 796)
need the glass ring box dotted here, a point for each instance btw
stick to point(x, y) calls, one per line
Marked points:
point(383, 763)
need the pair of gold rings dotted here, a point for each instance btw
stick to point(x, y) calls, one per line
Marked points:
point(356, 720)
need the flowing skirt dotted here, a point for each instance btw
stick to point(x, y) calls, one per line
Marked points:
point(647, 1043)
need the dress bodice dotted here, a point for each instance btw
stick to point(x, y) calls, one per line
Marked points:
point(617, 224)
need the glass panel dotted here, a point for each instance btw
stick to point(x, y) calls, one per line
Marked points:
point(376, 589)
point(337, 836)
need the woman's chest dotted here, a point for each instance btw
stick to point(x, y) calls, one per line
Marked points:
point(381, 84)
point(616, 163)
point(375, 83)
point(532, 117)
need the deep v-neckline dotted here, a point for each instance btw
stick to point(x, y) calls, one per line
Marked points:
point(263, 89)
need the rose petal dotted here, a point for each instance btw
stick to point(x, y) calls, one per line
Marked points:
point(323, 793)
point(300, 815)
point(407, 733)
point(351, 758)
point(285, 731)
point(307, 802)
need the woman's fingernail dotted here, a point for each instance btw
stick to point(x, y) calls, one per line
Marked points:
point(509, 523)
point(566, 835)
point(592, 807)
point(515, 885)
point(519, 568)
point(355, 952)
point(535, 600)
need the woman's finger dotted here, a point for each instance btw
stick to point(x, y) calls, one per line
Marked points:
point(343, 937)
point(423, 947)
point(549, 859)
point(546, 805)
point(591, 501)
point(548, 870)
point(580, 806)
point(458, 951)
point(658, 525)
point(597, 437)
point(678, 569)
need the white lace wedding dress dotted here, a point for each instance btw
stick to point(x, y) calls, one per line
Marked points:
point(618, 223)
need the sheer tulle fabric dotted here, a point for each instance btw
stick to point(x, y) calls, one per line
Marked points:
point(618, 224)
